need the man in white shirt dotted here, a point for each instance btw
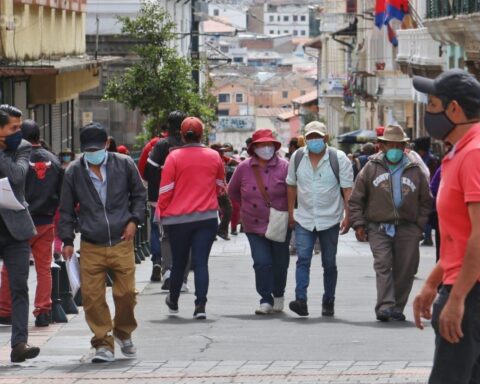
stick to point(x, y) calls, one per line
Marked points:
point(320, 180)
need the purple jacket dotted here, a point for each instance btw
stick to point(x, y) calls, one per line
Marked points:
point(244, 189)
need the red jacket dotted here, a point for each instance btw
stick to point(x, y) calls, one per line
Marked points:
point(192, 178)
point(142, 162)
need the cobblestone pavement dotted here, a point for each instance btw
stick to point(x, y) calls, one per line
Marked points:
point(234, 345)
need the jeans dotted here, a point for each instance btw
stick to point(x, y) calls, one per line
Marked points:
point(270, 262)
point(197, 236)
point(16, 256)
point(457, 363)
point(154, 239)
point(305, 240)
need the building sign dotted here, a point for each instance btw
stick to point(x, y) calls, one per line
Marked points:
point(235, 123)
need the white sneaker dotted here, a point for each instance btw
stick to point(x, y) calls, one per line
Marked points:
point(103, 355)
point(185, 288)
point(278, 304)
point(264, 309)
point(126, 346)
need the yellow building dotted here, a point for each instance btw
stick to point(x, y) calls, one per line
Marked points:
point(43, 66)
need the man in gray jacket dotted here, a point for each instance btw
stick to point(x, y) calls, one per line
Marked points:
point(16, 228)
point(105, 193)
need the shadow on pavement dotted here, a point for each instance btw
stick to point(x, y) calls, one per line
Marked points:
point(181, 320)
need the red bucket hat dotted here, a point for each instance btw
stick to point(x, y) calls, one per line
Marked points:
point(263, 136)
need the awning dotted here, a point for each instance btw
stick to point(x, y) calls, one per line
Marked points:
point(359, 136)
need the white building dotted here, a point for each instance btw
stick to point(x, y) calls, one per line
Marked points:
point(235, 15)
point(289, 18)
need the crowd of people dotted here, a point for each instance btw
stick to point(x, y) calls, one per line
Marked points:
point(391, 192)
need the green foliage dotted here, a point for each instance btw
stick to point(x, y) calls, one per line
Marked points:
point(161, 80)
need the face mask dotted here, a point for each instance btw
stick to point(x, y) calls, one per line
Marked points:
point(265, 153)
point(13, 141)
point(66, 159)
point(228, 154)
point(316, 145)
point(394, 155)
point(438, 125)
point(97, 157)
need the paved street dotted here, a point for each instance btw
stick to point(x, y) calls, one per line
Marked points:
point(235, 346)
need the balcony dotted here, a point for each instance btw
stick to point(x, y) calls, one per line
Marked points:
point(418, 54)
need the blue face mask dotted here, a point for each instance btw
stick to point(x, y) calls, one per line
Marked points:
point(316, 145)
point(394, 155)
point(97, 157)
point(13, 141)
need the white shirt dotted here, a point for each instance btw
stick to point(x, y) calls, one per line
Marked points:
point(320, 202)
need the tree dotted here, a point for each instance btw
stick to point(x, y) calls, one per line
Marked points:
point(160, 81)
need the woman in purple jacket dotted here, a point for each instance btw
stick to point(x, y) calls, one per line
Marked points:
point(270, 258)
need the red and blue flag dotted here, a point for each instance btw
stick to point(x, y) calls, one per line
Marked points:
point(395, 9)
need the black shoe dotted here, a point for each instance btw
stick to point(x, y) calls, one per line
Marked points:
point(32, 263)
point(234, 233)
point(22, 352)
point(43, 320)
point(5, 320)
point(397, 316)
point(223, 235)
point(427, 243)
point(172, 307)
point(156, 273)
point(384, 315)
point(200, 313)
point(299, 307)
point(328, 309)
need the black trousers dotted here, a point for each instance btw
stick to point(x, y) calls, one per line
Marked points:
point(457, 363)
point(225, 213)
point(16, 255)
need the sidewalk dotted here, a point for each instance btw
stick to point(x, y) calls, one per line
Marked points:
point(235, 346)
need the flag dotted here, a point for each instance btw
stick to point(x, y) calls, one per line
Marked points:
point(392, 36)
point(380, 13)
point(395, 9)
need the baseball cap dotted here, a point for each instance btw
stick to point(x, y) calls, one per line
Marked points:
point(93, 136)
point(192, 125)
point(315, 127)
point(454, 84)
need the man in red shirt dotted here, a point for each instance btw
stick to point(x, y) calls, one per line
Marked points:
point(453, 115)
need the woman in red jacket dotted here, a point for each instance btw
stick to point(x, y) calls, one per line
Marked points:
point(192, 178)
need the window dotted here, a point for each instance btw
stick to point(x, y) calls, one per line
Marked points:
point(239, 98)
point(295, 18)
point(295, 33)
point(303, 18)
point(271, 18)
point(303, 33)
point(285, 94)
point(302, 92)
point(286, 18)
point(278, 18)
point(216, 12)
point(286, 31)
point(272, 32)
point(223, 112)
point(238, 59)
point(224, 98)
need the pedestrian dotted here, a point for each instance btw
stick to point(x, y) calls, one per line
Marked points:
point(264, 173)
point(16, 229)
point(110, 196)
point(368, 150)
point(452, 115)
point(389, 207)
point(192, 178)
point(42, 193)
point(111, 144)
point(320, 179)
point(123, 150)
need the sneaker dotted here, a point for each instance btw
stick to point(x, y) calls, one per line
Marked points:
point(185, 288)
point(427, 243)
point(223, 235)
point(300, 307)
point(43, 319)
point(5, 320)
point(166, 281)
point(103, 355)
point(328, 309)
point(278, 303)
point(383, 315)
point(172, 307)
point(264, 309)
point(293, 251)
point(22, 352)
point(234, 233)
point(397, 316)
point(156, 273)
point(200, 313)
point(126, 346)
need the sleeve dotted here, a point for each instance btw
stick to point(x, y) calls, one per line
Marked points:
point(425, 201)
point(235, 185)
point(68, 216)
point(167, 184)
point(292, 174)
point(470, 176)
point(138, 195)
point(220, 178)
point(142, 162)
point(358, 199)
point(15, 169)
point(346, 170)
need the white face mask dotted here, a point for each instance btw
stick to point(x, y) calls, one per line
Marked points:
point(265, 153)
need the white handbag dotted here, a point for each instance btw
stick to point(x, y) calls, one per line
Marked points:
point(278, 220)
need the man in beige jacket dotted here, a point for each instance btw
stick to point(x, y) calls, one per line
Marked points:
point(389, 207)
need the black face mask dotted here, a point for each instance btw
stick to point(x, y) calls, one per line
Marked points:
point(13, 141)
point(438, 125)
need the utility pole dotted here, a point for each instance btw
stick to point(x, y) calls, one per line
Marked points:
point(195, 52)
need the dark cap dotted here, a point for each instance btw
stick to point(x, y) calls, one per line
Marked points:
point(192, 126)
point(454, 84)
point(93, 136)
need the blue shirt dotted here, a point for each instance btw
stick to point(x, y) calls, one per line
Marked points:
point(396, 174)
point(100, 185)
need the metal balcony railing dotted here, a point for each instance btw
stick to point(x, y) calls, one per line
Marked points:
point(442, 8)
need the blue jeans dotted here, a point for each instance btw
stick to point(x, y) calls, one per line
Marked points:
point(154, 239)
point(305, 240)
point(270, 262)
point(197, 236)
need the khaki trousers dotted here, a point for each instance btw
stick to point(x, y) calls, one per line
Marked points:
point(395, 262)
point(95, 261)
